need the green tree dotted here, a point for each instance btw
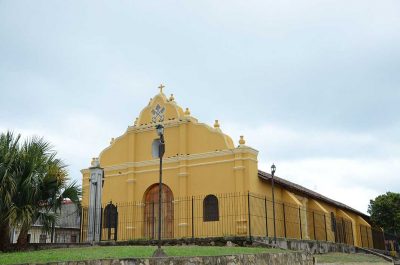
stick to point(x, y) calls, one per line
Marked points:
point(39, 183)
point(385, 212)
point(8, 156)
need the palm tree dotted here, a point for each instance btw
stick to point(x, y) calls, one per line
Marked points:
point(33, 185)
point(8, 155)
point(41, 187)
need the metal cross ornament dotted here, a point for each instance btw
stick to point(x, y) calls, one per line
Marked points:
point(161, 87)
point(158, 114)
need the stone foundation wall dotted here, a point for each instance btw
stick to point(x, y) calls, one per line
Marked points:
point(293, 258)
point(313, 246)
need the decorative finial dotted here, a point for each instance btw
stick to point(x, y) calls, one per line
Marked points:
point(171, 98)
point(95, 162)
point(187, 112)
point(136, 121)
point(216, 124)
point(161, 86)
point(112, 140)
point(242, 141)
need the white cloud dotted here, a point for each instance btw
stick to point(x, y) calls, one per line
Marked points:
point(322, 68)
point(77, 137)
point(351, 181)
point(348, 176)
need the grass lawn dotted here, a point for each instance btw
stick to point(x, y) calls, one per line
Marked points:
point(87, 253)
point(345, 258)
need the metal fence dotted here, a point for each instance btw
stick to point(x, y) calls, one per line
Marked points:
point(245, 215)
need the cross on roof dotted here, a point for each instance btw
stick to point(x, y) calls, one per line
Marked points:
point(161, 86)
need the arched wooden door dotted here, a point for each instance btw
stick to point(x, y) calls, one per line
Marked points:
point(151, 212)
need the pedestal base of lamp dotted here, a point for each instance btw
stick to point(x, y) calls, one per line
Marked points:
point(159, 253)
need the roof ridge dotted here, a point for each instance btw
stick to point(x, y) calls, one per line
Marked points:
point(311, 193)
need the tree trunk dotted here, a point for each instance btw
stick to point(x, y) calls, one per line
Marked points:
point(22, 242)
point(4, 237)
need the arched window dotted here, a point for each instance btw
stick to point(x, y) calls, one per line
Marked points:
point(210, 208)
point(110, 216)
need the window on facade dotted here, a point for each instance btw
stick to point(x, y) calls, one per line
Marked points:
point(73, 238)
point(210, 208)
point(110, 216)
point(333, 221)
point(42, 238)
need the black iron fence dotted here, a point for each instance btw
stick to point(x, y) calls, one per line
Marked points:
point(245, 215)
point(392, 243)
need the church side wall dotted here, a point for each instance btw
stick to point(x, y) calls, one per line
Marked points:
point(314, 214)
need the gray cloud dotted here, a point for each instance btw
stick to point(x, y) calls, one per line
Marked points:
point(307, 81)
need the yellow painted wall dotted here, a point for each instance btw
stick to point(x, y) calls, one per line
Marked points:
point(201, 160)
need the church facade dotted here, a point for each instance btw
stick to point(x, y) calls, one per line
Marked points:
point(212, 187)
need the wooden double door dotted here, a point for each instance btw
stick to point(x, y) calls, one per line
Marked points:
point(151, 215)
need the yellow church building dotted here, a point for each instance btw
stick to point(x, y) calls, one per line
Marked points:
point(212, 187)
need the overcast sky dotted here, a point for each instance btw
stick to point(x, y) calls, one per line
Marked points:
point(313, 85)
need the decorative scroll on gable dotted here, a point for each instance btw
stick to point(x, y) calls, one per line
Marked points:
point(191, 138)
point(160, 109)
point(158, 114)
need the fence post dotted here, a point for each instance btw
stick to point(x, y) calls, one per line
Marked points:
point(153, 221)
point(301, 228)
point(344, 231)
point(284, 218)
point(352, 233)
point(266, 215)
point(334, 226)
point(116, 223)
point(81, 225)
point(326, 231)
point(192, 218)
point(313, 220)
point(109, 220)
point(248, 209)
point(101, 223)
point(383, 236)
point(52, 231)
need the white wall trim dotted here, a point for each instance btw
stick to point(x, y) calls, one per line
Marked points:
point(178, 167)
point(180, 158)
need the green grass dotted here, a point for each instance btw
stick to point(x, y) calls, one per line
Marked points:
point(344, 258)
point(87, 253)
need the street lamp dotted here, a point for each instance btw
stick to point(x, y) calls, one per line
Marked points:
point(159, 150)
point(160, 132)
point(273, 169)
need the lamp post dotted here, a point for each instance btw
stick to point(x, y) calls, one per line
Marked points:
point(161, 150)
point(273, 169)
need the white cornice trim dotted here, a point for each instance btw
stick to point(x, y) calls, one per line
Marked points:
point(167, 124)
point(179, 167)
point(245, 149)
point(179, 158)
